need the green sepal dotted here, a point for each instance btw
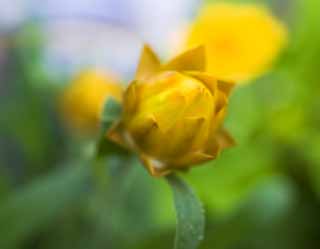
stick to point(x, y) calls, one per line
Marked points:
point(111, 113)
point(106, 147)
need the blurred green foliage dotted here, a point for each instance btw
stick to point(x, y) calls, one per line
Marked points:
point(264, 193)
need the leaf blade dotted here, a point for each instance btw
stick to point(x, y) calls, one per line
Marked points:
point(37, 204)
point(190, 215)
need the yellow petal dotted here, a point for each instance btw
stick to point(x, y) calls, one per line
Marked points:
point(186, 136)
point(208, 80)
point(218, 141)
point(148, 64)
point(130, 97)
point(219, 117)
point(115, 134)
point(225, 86)
point(166, 117)
point(193, 158)
point(142, 126)
point(224, 139)
point(156, 168)
point(193, 60)
point(221, 102)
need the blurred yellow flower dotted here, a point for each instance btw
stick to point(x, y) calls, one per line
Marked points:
point(242, 40)
point(82, 101)
point(173, 113)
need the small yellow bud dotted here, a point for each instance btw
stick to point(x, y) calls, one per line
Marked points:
point(82, 101)
point(242, 40)
point(173, 113)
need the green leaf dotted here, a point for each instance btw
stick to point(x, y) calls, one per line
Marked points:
point(190, 215)
point(30, 209)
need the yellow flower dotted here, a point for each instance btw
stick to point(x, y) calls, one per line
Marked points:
point(173, 113)
point(82, 101)
point(242, 40)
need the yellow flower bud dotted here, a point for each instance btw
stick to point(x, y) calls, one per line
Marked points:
point(82, 101)
point(173, 113)
point(242, 40)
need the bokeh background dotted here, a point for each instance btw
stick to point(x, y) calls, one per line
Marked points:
point(263, 193)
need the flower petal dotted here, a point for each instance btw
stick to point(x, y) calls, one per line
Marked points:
point(218, 141)
point(192, 159)
point(115, 134)
point(186, 136)
point(208, 80)
point(130, 97)
point(193, 59)
point(224, 139)
point(155, 167)
point(167, 114)
point(149, 64)
point(225, 86)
